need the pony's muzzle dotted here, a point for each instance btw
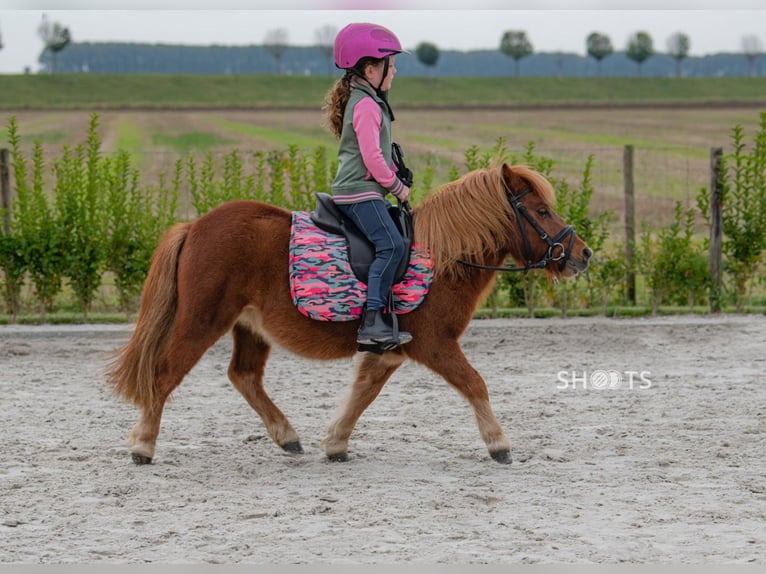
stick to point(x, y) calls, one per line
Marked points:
point(582, 265)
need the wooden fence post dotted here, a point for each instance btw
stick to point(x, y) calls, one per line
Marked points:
point(5, 190)
point(630, 225)
point(716, 228)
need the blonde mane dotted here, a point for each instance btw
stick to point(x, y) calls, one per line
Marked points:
point(471, 218)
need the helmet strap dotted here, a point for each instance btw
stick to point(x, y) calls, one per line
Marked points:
point(386, 61)
point(380, 93)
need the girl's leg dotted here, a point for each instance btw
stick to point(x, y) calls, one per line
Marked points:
point(374, 221)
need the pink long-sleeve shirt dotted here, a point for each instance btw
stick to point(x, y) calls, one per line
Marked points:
point(366, 123)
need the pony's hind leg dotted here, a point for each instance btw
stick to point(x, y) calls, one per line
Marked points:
point(182, 353)
point(373, 372)
point(448, 360)
point(246, 370)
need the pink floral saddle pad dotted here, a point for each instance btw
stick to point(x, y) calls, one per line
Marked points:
point(324, 287)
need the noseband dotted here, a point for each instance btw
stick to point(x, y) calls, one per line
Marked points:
point(557, 251)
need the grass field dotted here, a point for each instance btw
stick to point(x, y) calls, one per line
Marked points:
point(68, 91)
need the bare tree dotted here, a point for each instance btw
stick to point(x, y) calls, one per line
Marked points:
point(276, 44)
point(325, 39)
point(599, 46)
point(1, 40)
point(560, 57)
point(752, 47)
point(678, 47)
point(55, 38)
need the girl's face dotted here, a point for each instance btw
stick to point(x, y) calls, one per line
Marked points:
point(375, 73)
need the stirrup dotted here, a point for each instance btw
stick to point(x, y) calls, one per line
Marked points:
point(402, 337)
point(377, 348)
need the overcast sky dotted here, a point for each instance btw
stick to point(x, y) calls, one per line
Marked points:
point(549, 30)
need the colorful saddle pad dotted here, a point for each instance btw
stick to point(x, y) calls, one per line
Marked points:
point(323, 286)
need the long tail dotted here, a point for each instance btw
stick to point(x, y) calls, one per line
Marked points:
point(132, 373)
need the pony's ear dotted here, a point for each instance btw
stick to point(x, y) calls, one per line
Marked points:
point(512, 179)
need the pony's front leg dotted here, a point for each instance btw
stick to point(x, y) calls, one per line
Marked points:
point(447, 359)
point(373, 372)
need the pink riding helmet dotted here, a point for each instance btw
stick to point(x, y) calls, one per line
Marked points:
point(357, 41)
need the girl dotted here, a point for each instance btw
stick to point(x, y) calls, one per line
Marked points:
point(359, 115)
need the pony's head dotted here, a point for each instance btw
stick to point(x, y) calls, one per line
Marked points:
point(491, 214)
point(547, 241)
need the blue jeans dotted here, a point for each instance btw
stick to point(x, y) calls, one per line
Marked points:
point(372, 218)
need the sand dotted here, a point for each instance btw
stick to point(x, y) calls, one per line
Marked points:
point(670, 467)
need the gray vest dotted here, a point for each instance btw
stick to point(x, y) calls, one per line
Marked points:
point(350, 178)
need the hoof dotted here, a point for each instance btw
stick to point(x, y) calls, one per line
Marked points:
point(502, 456)
point(338, 457)
point(293, 447)
point(140, 459)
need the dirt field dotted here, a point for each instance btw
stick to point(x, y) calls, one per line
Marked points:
point(670, 470)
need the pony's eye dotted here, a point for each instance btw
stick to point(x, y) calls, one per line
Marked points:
point(542, 212)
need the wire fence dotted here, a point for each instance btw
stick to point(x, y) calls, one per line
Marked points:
point(661, 177)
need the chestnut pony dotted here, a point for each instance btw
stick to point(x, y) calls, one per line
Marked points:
point(228, 271)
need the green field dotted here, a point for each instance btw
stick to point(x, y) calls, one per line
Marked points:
point(67, 91)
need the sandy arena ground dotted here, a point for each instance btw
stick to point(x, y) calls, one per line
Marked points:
point(670, 470)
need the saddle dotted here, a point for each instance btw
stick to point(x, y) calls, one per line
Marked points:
point(361, 251)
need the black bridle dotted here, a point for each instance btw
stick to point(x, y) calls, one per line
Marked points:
point(557, 251)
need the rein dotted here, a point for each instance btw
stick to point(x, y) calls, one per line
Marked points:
point(557, 243)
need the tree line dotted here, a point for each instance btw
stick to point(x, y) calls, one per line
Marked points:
point(276, 55)
point(120, 58)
